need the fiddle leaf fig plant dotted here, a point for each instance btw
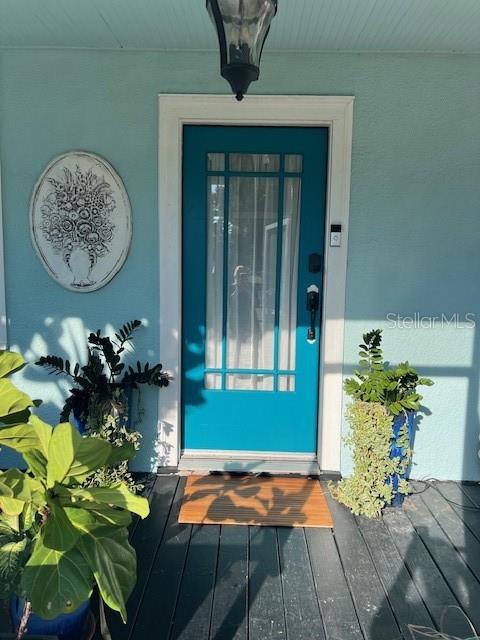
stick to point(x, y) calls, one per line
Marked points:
point(58, 538)
point(14, 404)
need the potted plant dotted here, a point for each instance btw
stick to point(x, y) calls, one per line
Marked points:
point(382, 424)
point(59, 538)
point(100, 398)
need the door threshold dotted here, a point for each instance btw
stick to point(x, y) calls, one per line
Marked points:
point(249, 462)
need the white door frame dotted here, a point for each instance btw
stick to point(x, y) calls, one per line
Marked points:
point(175, 111)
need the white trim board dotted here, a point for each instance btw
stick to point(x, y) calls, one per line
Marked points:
point(334, 112)
point(248, 461)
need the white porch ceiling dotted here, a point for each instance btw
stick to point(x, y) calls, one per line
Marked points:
point(301, 25)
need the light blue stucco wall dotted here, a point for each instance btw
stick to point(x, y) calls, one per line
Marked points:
point(415, 210)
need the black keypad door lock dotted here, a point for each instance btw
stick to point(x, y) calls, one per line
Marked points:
point(313, 300)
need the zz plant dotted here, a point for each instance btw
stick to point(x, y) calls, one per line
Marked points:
point(57, 537)
point(381, 425)
point(100, 393)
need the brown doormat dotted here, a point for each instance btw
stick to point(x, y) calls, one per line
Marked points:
point(267, 501)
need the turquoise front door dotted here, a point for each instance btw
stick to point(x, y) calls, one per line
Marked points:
point(253, 238)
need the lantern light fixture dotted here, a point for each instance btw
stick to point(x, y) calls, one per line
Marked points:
point(242, 27)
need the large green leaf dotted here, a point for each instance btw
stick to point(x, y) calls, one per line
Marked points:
point(12, 557)
point(56, 581)
point(10, 362)
point(102, 514)
point(111, 559)
point(37, 463)
point(12, 400)
point(118, 495)
point(11, 506)
point(58, 532)
point(44, 433)
point(20, 485)
point(14, 493)
point(61, 452)
point(13, 522)
point(20, 437)
point(91, 454)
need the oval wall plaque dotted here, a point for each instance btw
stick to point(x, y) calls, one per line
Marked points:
point(81, 221)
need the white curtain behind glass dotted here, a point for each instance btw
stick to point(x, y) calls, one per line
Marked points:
point(251, 273)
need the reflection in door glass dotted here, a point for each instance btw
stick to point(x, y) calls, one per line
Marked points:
point(252, 255)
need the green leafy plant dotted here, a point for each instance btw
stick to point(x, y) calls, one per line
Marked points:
point(395, 388)
point(100, 394)
point(57, 537)
point(381, 458)
point(104, 373)
point(367, 491)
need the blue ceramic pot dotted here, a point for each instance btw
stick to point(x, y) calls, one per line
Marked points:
point(81, 424)
point(66, 626)
point(398, 451)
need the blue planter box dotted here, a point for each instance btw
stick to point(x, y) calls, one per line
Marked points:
point(67, 626)
point(398, 451)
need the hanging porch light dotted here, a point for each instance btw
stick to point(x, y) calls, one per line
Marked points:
point(242, 27)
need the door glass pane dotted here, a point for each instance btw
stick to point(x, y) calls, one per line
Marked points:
point(254, 162)
point(252, 255)
point(289, 274)
point(248, 382)
point(216, 162)
point(286, 383)
point(214, 311)
point(213, 381)
point(293, 163)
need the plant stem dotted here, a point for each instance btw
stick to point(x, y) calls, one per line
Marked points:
point(22, 627)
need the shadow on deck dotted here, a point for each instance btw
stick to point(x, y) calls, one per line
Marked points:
point(365, 579)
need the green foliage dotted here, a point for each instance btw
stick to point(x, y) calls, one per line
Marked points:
point(110, 422)
point(104, 373)
point(57, 538)
point(367, 491)
point(395, 388)
point(14, 404)
point(380, 393)
point(99, 397)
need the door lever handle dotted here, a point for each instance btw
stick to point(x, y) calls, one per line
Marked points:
point(313, 301)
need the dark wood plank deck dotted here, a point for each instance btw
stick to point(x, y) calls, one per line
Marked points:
point(366, 579)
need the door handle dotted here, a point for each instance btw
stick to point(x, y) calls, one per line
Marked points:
point(313, 301)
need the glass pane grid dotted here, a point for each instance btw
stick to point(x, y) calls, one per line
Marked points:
point(249, 381)
point(252, 269)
